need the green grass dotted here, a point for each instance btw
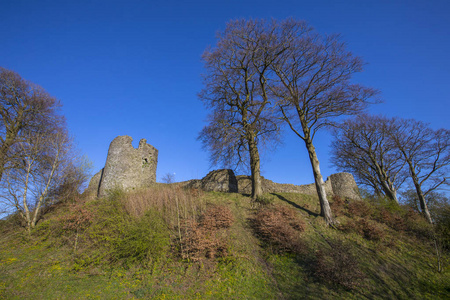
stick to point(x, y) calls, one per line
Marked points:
point(99, 250)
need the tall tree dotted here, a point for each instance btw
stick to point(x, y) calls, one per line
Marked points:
point(27, 182)
point(427, 155)
point(363, 146)
point(24, 106)
point(38, 162)
point(236, 90)
point(314, 88)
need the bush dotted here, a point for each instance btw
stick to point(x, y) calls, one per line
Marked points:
point(393, 219)
point(145, 238)
point(217, 217)
point(337, 265)
point(368, 229)
point(114, 235)
point(337, 205)
point(359, 208)
point(205, 238)
point(280, 227)
point(443, 227)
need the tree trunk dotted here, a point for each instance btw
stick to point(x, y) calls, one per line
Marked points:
point(255, 168)
point(423, 203)
point(390, 191)
point(325, 210)
point(386, 183)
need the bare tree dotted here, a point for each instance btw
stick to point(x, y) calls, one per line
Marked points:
point(23, 107)
point(314, 86)
point(38, 163)
point(363, 146)
point(43, 166)
point(427, 155)
point(169, 178)
point(236, 90)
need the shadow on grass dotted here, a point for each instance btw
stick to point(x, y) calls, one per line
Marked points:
point(296, 205)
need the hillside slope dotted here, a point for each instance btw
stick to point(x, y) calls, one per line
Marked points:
point(169, 243)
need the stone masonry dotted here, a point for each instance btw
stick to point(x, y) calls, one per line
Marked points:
point(339, 184)
point(126, 167)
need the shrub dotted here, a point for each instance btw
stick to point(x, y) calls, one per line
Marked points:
point(393, 219)
point(216, 217)
point(337, 205)
point(144, 238)
point(280, 227)
point(205, 238)
point(359, 208)
point(443, 227)
point(418, 225)
point(337, 265)
point(370, 230)
point(78, 218)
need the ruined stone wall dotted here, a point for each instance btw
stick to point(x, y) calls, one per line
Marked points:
point(268, 186)
point(94, 183)
point(344, 186)
point(340, 184)
point(215, 181)
point(127, 167)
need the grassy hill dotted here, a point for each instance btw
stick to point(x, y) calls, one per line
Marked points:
point(169, 243)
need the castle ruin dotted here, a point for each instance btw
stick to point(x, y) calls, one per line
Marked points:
point(339, 184)
point(126, 167)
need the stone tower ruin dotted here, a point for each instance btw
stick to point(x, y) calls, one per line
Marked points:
point(126, 167)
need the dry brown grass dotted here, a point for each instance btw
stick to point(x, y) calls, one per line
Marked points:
point(198, 229)
point(174, 203)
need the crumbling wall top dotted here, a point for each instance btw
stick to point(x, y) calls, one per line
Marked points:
point(127, 167)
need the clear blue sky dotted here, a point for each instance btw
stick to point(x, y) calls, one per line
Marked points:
point(134, 68)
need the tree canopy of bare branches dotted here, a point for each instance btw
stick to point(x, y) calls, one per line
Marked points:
point(40, 165)
point(236, 91)
point(426, 153)
point(24, 106)
point(383, 153)
point(313, 88)
point(363, 147)
point(264, 72)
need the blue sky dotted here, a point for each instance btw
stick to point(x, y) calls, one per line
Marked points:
point(134, 68)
